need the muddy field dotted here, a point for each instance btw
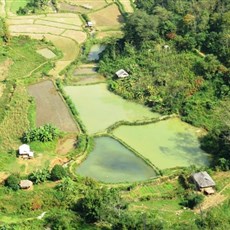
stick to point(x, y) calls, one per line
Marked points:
point(50, 107)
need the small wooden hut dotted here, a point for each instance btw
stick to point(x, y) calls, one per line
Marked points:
point(204, 182)
point(24, 152)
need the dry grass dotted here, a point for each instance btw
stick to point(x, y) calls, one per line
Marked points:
point(68, 7)
point(4, 68)
point(16, 21)
point(15, 122)
point(127, 5)
point(72, 19)
point(78, 36)
point(88, 4)
point(68, 47)
point(46, 53)
point(25, 17)
point(105, 34)
point(57, 24)
point(35, 29)
point(109, 16)
point(2, 8)
point(65, 145)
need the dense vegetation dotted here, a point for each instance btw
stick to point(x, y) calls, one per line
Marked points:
point(36, 6)
point(177, 54)
point(43, 134)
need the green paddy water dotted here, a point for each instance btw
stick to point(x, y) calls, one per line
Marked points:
point(95, 51)
point(111, 162)
point(166, 144)
point(99, 108)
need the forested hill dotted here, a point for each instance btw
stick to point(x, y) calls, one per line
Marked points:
point(177, 53)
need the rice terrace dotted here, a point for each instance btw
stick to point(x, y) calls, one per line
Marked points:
point(102, 115)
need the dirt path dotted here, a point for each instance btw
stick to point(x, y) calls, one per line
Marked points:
point(213, 200)
point(2, 8)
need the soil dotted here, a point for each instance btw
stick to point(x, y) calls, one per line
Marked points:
point(65, 145)
point(50, 107)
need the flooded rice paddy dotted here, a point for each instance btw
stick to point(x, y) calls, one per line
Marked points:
point(99, 108)
point(95, 51)
point(169, 143)
point(111, 162)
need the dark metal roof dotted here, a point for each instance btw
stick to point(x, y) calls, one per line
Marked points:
point(203, 179)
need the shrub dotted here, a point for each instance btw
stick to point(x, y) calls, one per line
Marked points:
point(12, 182)
point(57, 173)
point(43, 134)
point(39, 176)
point(191, 200)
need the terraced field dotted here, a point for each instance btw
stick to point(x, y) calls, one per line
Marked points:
point(108, 18)
point(64, 30)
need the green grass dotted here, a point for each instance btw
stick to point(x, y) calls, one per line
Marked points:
point(13, 6)
point(22, 51)
point(43, 146)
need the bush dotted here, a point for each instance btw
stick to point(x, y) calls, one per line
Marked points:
point(12, 182)
point(43, 134)
point(57, 173)
point(39, 176)
point(191, 200)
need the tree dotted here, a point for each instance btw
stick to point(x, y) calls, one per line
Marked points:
point(12, 182)
point(191, 200)
point(99, 204)
point(57, 173)
point(141, 27)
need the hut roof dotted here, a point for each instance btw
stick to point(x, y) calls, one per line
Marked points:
point(25, 184)
point(89, 23)
point(24, 149)
point(203, 179)
point(122, 73)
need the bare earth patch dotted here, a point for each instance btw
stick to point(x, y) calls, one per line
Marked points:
point(65, 145)
point(58, 161)
point(46, 53)
point(50, 107)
